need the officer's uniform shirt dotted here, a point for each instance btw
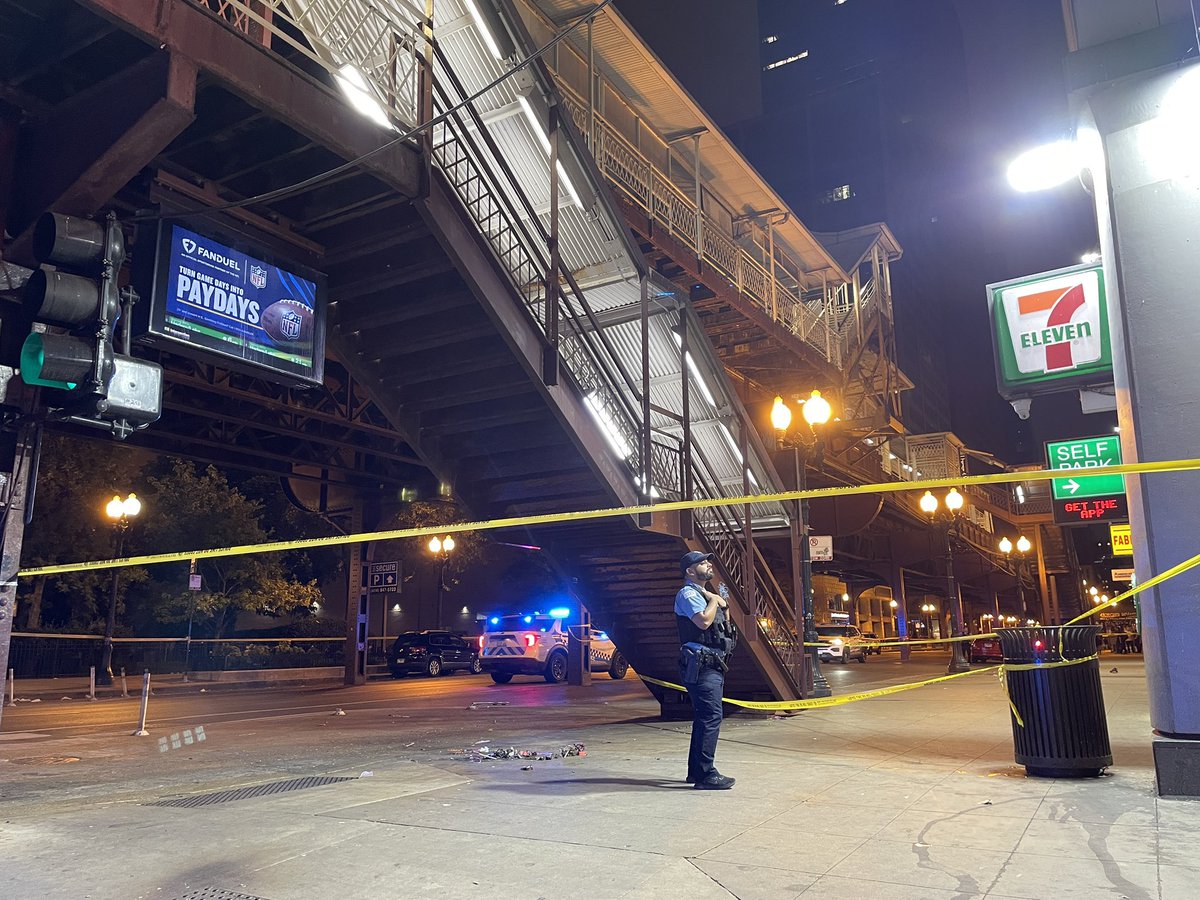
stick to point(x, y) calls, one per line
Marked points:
point(689, 601)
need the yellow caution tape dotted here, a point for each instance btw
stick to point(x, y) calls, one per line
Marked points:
point(1145, 585)
point(1024, 667)
point(891, 487)
point(824, 702)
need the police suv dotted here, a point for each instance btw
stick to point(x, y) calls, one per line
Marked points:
point(537, 645)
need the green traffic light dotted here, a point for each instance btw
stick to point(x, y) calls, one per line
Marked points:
point(33, 363)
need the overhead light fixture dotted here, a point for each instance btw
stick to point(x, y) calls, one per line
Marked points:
point(1046, 166)
point(1092, 257)
point(733, 445)
point(354, 85)
point(544, 140)
point(609, 428)
point(484, 31)
point(691, 364)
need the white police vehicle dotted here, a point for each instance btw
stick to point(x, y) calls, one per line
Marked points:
point(536, 644)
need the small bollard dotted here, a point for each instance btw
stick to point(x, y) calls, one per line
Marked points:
point(141, 729)
point(124, 684)
point(92, 683)
point(12, 687)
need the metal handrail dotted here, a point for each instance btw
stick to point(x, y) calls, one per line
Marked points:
point(660, 198)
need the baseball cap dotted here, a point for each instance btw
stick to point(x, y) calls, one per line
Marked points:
point(690, 559)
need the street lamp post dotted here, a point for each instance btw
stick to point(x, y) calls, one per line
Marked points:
point(441, 549)
point(120, 513)
point(1023, 546)
point(816, 411)
point(929, 609)
point(895, 625)
point(953, 502)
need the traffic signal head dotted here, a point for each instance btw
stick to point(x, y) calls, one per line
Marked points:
point(84, 299)
point(81, 295)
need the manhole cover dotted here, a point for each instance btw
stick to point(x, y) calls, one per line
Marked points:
point(217, 894)
point(258, 790)
point(46, 760)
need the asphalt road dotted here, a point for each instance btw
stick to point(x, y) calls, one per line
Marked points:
point(61, 718)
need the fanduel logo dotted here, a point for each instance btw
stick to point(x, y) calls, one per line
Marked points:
point(189, 246)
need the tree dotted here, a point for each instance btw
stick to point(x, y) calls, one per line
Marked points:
point(199, 510)
point(75, 479)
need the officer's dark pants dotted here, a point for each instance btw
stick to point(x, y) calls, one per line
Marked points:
point(705, 695)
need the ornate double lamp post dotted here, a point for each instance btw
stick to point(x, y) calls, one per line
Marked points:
point(441, 548)
point(1023, 546)
point(816, 412)
point(120, 513)
point(944, 515)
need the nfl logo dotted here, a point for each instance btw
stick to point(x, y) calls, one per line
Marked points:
point(290, 324)
point(258, 276)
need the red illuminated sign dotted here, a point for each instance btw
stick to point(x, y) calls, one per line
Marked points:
point(1085, 512)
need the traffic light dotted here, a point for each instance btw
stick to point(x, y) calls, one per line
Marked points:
point(81, 295)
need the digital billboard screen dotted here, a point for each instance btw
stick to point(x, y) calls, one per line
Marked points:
point(252, 311)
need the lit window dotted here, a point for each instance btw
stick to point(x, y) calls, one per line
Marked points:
point(785, 61)
point(770, 38)
point(841, 192)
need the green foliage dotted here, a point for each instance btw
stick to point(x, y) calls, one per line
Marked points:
point(198, 509)
point(75, 480)
point(469, 546)
point(185, 507)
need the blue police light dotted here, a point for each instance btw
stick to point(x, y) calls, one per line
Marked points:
point(528, 619)
point(560, 612)
point(495, 620)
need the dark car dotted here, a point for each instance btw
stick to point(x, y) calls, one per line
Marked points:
point(985, 648)
point(432, 653)
point(872, 637)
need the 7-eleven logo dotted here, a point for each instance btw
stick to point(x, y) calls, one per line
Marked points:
point(1055, 324)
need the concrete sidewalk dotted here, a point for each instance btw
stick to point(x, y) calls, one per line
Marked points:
point(910, 796)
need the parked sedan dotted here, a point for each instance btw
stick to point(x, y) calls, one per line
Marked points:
point(986, 648)
point(432, 653)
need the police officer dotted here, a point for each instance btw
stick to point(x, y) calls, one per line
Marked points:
point(707, 636)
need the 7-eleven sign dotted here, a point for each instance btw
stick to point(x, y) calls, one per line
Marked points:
point(1051, 331)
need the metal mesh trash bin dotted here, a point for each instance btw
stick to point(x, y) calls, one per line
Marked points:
point(1063, 732)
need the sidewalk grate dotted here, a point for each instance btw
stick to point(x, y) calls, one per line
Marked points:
point(259, 790)
point(217, 894)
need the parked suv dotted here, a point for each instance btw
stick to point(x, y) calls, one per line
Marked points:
point(841, 643)
point(432, 653)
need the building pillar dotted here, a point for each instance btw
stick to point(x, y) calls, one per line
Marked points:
point(1146, 175)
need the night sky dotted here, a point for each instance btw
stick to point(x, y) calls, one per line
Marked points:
point(974, 83)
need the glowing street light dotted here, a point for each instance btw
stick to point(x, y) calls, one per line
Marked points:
point(120, 513)
point(441, 548)
point(954, 502)
point(816, 412)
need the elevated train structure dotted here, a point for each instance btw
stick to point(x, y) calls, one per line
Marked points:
point(552, 283)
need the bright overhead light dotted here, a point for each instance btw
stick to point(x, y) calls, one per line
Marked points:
point(1092, 257)
point(1045, 167)
point(358, 92)
point(691, 364)
point(733, 445)
point(544, 140)
point(484, 31)
point(609, 428)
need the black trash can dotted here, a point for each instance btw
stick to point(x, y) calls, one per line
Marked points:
point(1064, 732)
